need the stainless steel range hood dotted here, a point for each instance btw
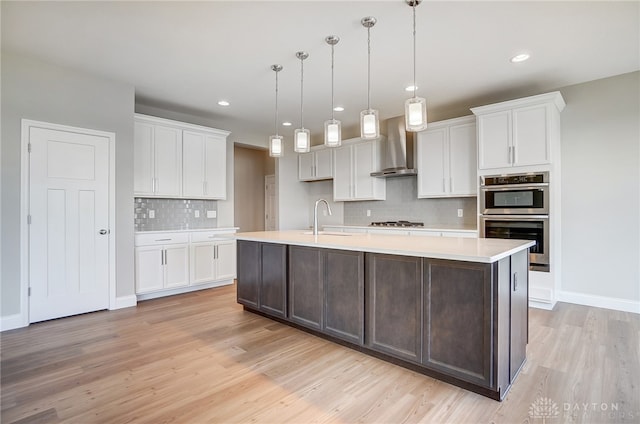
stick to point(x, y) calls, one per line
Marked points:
point(397, 151)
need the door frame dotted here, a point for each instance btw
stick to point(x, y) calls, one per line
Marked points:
point(27, 124)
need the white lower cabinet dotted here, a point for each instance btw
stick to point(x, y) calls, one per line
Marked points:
point(213, 261)
point(169, 261)
point(162, 262)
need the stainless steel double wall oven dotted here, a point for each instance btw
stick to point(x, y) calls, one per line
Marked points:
point(516, 206)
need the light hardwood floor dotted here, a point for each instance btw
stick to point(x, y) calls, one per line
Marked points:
point(199, 358)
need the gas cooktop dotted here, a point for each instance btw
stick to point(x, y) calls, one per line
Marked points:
point(397, 224)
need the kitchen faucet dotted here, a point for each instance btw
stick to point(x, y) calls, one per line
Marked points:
point(315, 215)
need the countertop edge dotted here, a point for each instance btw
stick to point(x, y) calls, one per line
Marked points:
point(322, 242)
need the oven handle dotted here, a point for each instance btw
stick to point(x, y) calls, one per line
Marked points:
point(514, 217)
point(512, 186)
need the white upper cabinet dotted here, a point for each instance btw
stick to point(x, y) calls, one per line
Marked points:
point(519, 132)
point(204, 165)
point(175, 159)
point(353, 164)
point(446, 158)
point(157, 160)
point(315, 165)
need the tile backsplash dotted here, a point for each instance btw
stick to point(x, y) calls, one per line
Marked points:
point(402, 204)
point(173, 214)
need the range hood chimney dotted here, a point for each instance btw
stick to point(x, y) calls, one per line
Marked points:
point(397, 151)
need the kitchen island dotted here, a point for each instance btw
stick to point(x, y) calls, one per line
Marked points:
point(451, 308)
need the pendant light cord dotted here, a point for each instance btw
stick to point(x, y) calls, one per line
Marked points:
point(301, 93)
point(368, 68)
point(414, 48)
point(332, 111)
point(276, 119)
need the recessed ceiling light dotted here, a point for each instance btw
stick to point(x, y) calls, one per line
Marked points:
point(338, 109)
point(223, 103)
point(520, 57)
point(410, 88)
point(286, 124)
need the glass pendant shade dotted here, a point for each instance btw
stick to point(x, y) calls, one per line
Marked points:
point(302, 140)
point(276, 146)
point(415, 114)
point(369, 124)
point(332, 133)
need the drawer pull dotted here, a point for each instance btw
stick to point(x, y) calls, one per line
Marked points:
point(164, 239)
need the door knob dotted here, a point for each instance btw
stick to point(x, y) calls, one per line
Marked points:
point(103, 232)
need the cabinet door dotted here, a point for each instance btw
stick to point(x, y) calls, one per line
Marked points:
point(305, 286)
point(363, 165)
point(462, 160)
point(458, 319)
point(149, 268)
point(176, 265)
point(306, 166)
point(143, 183)
point(494, 140)
point(273, 292)
point(342, 173)
point(531, 135)
point(193, 179)
point(431, 161)
point(344, 295)
point(225, 260)
point(394, 287)
point(324, 164)
point(249, 272)
point(202, 263)
point(167, 160)
point(519, 311)
point(215, 167)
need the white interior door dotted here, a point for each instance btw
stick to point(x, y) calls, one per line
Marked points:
point(270, 203)
point(68, 235)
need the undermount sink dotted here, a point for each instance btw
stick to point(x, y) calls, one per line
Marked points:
point(327, 233)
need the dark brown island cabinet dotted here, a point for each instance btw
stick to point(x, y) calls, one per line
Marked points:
point(462, 322)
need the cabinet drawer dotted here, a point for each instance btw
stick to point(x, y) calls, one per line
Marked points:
point(202, 236)
point(161, 238)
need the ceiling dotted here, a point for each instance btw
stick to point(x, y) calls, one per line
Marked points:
point(185, 56)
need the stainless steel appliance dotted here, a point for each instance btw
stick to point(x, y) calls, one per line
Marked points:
point(397, 224)
point(515, 194)
point(516, 206)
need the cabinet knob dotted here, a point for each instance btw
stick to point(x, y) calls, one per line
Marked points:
point(103, 232)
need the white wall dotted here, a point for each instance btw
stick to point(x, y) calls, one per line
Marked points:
point(292, 195)
point(601, 193)
point(43, 92)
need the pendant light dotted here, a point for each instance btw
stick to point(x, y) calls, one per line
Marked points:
point(369, 122)
point(332, 127)
point(276, 147)
point(415, 108)
point(302, 136)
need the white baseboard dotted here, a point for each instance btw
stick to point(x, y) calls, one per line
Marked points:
point(11, 322)
point(600, 301)
point(125, 302)
point(171, 292)
point(539, 304)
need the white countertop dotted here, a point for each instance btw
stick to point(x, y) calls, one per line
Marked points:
point(451, 248)
point(467, 229)
point(192, 230)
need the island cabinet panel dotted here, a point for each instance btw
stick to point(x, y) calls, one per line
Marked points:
point(519, 311)
point(394, 305)
point(458, 317)
point(273, 290)
point(262, 277)
point(249, 273)
point(344, 295)
point(306, 266)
